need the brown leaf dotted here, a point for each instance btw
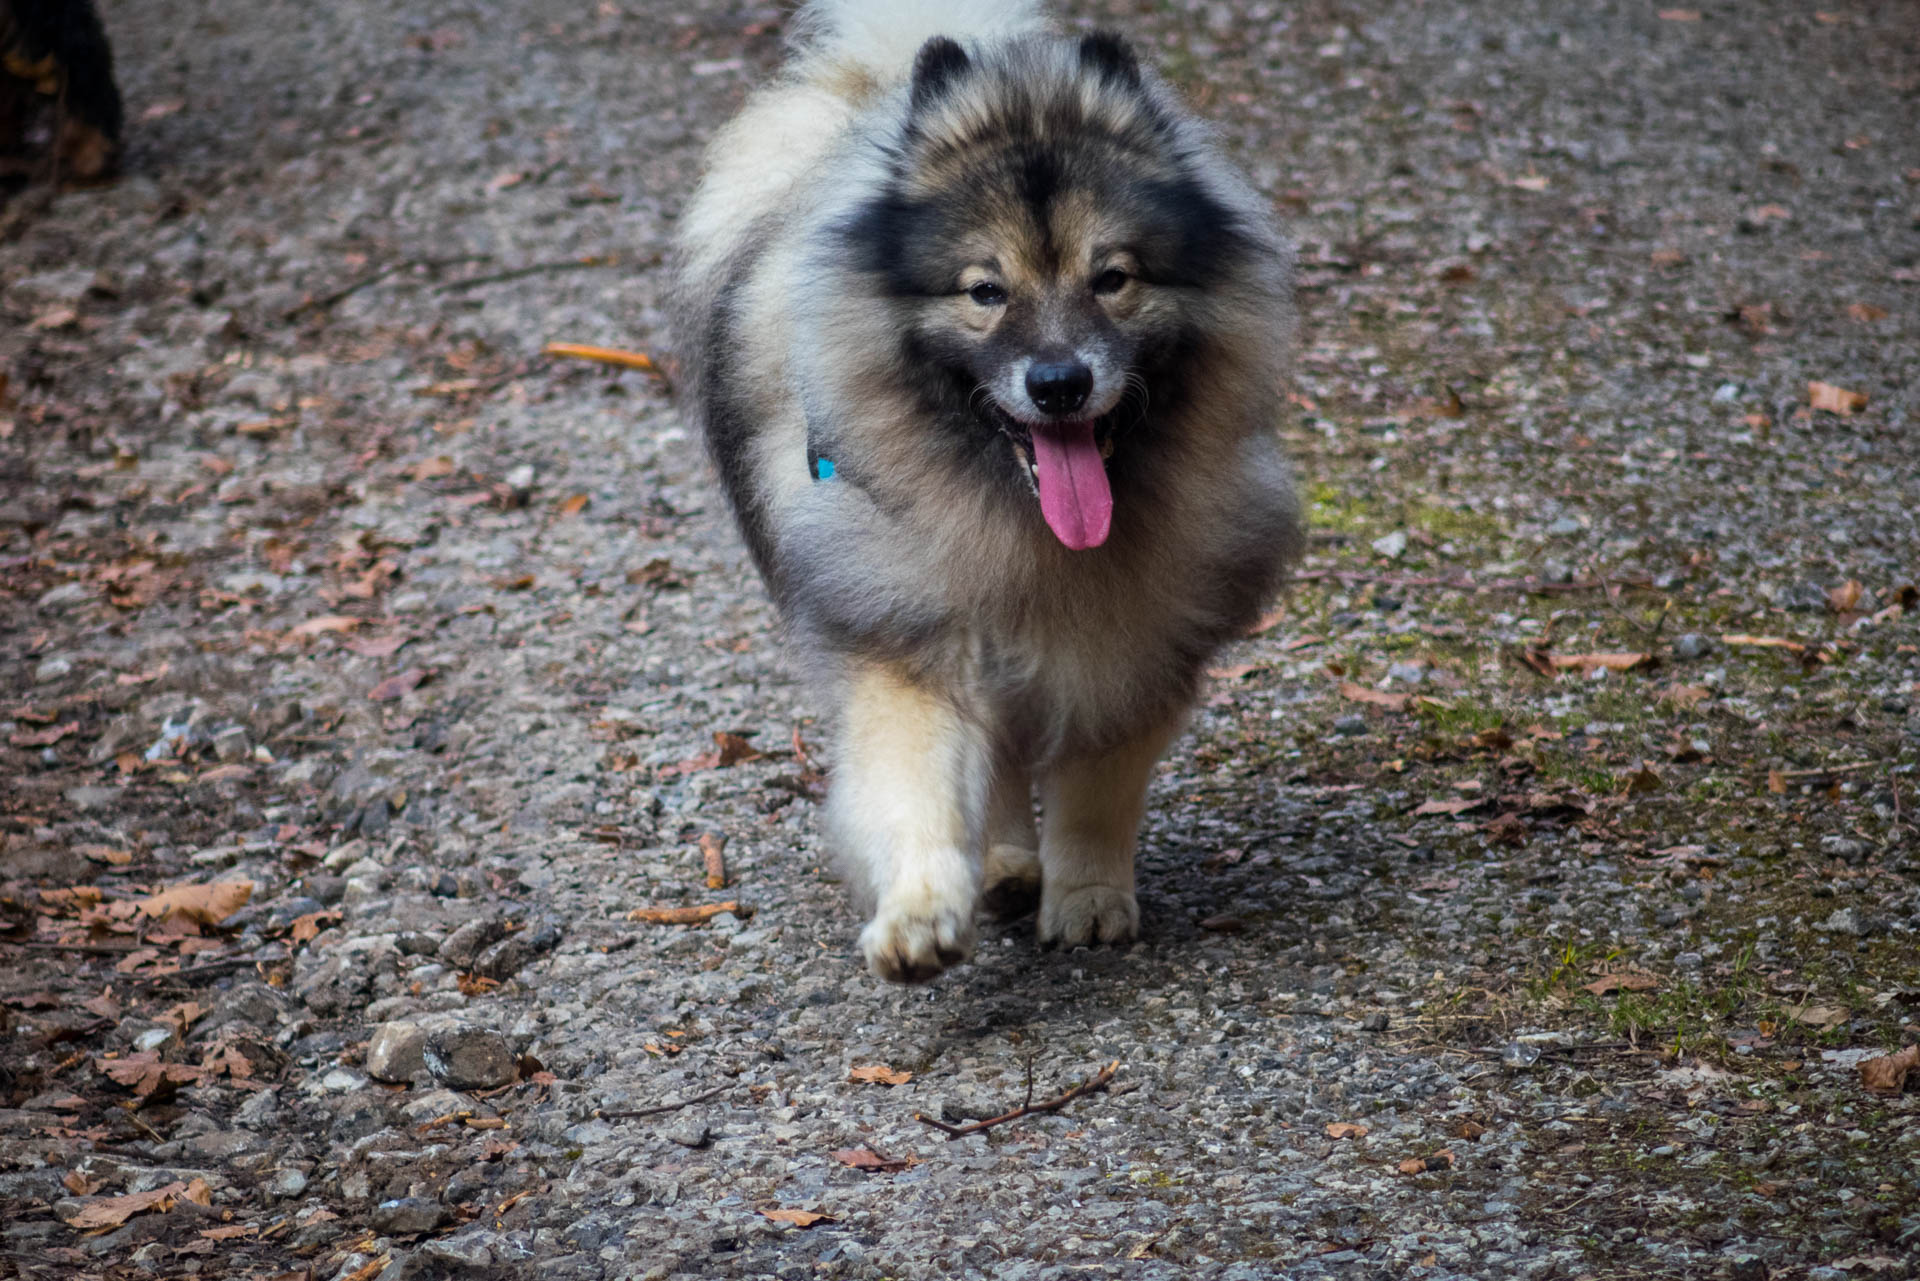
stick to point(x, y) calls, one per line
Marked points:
point(1629, 981)
point(1835, 400)
point(43, 737)
point(229, 1231)
point(713, 859)
point(202, 904)
point(1346, 1130)
point(1844, 597)
point(1509, 829)
point(1460, 806)
point(1820, 1016)
point(1643, 780)
point(1764, 642)
point(307, 928)
point(869, 1160)
point(1686, 697)
point(79, 1184)
point(1374, 697)
point(1776, 782)
point(1866, 313)
point(799, 1218)
point(574, 504)
point(734, 749)
point(1440, 1160)
point(144, 1073)
point(1224, 923)
point(682, 915)
point(1888, 1073)
point(431, 468)
point(659, 573)
point(112, 1211)
point(878, 1074)
point(1680, 15)
point(379, 646)
point(1232, 671)
point(1469, 1130)
point(1585, 663)
point(397, 686)
point(326, 623)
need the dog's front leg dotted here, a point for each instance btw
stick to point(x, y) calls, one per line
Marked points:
point(1090, 811)
point(907, 809)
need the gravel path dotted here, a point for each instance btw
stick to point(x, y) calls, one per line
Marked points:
point(1459, 962)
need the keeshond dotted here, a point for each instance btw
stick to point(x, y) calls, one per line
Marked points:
point(56, 65)
point(988, 342)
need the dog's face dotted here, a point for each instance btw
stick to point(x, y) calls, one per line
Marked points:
point(1044, 250)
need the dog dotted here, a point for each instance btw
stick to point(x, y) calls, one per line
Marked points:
point(988, 344)
point(55, 62)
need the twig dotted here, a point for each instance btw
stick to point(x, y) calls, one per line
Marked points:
point(532, 269)
point(84, 949)
point(1100, 1081)
point(327, 301)
point(1534, 585)
point(208, 970)
point(605, 355)
point(1852, 767)
point(660, 1108)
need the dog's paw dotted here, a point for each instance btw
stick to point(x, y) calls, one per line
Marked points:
point(1088, 915)
point(913, 943)
point(1013, 882)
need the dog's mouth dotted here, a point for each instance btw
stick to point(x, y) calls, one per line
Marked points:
point(1065, 463)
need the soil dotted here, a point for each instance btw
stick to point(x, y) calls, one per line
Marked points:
point(1524, 900)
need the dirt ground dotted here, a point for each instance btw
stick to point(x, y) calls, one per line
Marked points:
point(1534, 896)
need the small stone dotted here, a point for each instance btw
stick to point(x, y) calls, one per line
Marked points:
point(1392, 546)
point(396, 1052)
point(1687, 961)
point(408, 1216)
point(1692, 645)
point(689, 1132)
point(504, 959)
point(1804, 597)
point(342, 1080)
point(417, 943)
point(1407, 673)
point(465, 944)
point(1375, 1022)
point(1565, 527)
point(287, 1184)
point(1518, 1054)
point(470, 1058)
point(52, 669)
point(1350, 726)
point(1848, 921)
point(1842, 847)
point(231, 744)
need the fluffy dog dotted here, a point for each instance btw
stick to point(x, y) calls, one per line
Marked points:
point(989, 344)
point(54, 57)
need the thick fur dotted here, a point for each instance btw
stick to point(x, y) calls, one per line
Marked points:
point(54, 54)
point(831, 304)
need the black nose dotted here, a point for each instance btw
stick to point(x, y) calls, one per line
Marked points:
point(1059, 387)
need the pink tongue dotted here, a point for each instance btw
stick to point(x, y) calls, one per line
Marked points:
point(1074, 495)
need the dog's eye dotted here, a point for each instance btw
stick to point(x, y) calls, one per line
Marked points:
point(987, 294)
point(1110, 281)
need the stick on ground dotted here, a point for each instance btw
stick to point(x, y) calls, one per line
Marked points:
point(1100, 1081)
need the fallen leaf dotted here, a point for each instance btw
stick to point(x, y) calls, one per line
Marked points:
point(658, 572)
point(202, 904)
point(105, 854)
point(799, 1218)
point(1835, 400)
point(328, 623)
point(574, 504)
point(1233, 671)
point(144, 1073)
point(1469, 1130)
point(1460, 806)
point(1531, 182)
point(713, 859)
point(111, 1212)
point(1771, 213)
point(1776, 782)
point(307, 928)
point(682, 915)
point(79, 1184)
point(1820, 1016)
point(1679, 15)
point(869, 1160)
point(1629, 981)
point(1589, 662)
point(505, 179)
point(1844, 597)
point(1374, 697)
point(431, 468)
point(734, 749)
point(1686, 697)
point(1643, 780)
point(1346, 1130)
point(43, 737)
point(1888, 1073)
point(162, 109)
point(1764, 642)
point(1866, 313)
point(397, 686)
point(1225, 923)
point(1440, 1160)
point(57, 318)
point(1509, 829)
point(878, 1074)
point(229, 1231)
point(604, 355)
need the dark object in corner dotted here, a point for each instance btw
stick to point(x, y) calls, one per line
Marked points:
point(56, 65)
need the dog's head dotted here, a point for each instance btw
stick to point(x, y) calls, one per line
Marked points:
point(1047, 242)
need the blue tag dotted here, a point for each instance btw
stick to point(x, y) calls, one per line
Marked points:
point(823, 469)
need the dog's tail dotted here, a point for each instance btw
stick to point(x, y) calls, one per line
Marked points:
point(881, 37)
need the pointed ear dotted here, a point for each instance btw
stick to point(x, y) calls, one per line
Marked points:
point(938, 64)
point(1107, 54)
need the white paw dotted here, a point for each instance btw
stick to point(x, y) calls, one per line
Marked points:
point(1091, 914)
point(1012, 881)
point(912, 941)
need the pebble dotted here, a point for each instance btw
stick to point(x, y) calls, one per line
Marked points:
point(52, 669)
point(1350, 726)
point(1393, 545)
point(1848, 920)
point(1565, 527)
point(470, 1058)
point(1375, 1022)
point(689, 1132)
point(1842, 847)
point(1692, 645)
point(396, 1051)
point(464, 946)
point(231, 744)
point(408, 1216)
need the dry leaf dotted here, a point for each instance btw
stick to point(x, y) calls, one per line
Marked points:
point(229, 1231)
point(1441, 1160)
point(1585, 663)
point(201, 904)
point(328, 623)
point(604, 355)
point(397, 686)
point(111, 1212)
point(431, 468)
point(1631, 981)
point(1680, 15)
point(878, 1074)
point(1844, 597)
point(1776, 782)
point(734, 749)
point(1531, 182)
point(144, 1072)
point(1345, 1130)
point(574, 505)
point(1764, 642)
point(682, 915)
point(1452, 807)
point(43, 737)
point(79, 1184)
point(1469, 1129)
point(1686, 697)
point(658, 572)
point(1224, 923)
point(1888, 1073)
point(1509, 829)
point(1375, 697)
point(1835, 400)
point(1820, 1016)
point(869, 1160)
point(1866, 313)
point(1645, 779)
point(799, 1218)
point(307, 928)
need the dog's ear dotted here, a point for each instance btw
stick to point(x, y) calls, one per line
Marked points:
point(938, 64)
point(1107, 55)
